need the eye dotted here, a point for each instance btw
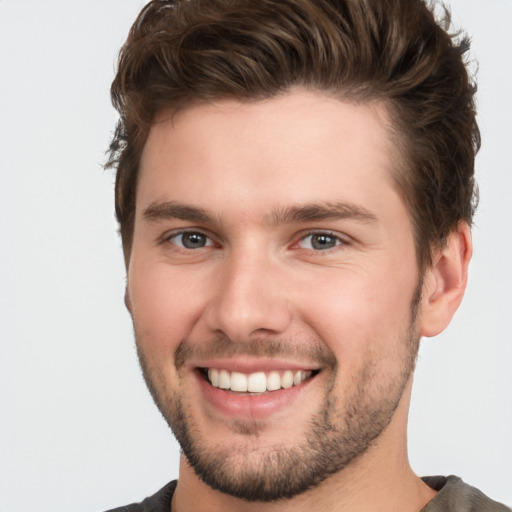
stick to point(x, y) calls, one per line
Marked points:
point(320, 241)
point(190, 240)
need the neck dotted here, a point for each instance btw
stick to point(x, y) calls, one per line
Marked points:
point(380, 479)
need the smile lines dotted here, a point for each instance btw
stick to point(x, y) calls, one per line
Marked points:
point(258, 382)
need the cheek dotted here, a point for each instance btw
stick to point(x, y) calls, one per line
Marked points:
point(165, 304)
point(360, 310)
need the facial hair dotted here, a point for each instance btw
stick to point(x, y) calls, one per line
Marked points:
point(334, 438)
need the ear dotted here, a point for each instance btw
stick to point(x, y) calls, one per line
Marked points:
point(445, 281)
point(127, 301)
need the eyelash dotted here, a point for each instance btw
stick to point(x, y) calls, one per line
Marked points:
point(338, 241)
point(173, 236)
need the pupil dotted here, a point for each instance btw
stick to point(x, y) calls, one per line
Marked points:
point(193, 240)
point(323, 242)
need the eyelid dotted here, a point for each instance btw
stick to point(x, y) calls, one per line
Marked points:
point(168, 236)
point(341, 240)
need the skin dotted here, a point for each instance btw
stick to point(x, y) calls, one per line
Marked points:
point(259, 280)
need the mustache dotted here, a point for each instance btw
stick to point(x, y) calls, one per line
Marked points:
point(311, 351)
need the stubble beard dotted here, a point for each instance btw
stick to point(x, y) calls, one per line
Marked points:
point(334, 438)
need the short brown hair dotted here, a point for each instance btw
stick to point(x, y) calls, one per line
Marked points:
point(183, 51)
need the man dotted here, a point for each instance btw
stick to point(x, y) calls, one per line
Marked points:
point(295, 192)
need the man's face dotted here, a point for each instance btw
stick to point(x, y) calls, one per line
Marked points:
point(272, 251)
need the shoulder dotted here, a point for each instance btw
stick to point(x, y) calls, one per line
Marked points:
point(454, 495)
point(158, 502)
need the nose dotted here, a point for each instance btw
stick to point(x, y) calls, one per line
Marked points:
point(249, 299)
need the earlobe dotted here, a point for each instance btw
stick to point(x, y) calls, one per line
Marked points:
point(445, 281)
point(127, 301)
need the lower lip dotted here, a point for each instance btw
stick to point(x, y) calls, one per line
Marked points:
point(248, 406)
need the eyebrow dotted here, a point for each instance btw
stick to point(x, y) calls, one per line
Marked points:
point(157, 211)
point(322, 211)
point(173, 210)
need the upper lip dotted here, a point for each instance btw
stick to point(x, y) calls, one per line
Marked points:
point(253, 365)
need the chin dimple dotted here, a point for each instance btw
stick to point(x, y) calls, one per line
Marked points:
point(258, 382)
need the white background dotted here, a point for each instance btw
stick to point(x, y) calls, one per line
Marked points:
point(78, 430)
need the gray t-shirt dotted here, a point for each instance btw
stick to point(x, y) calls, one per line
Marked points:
point(453, 495)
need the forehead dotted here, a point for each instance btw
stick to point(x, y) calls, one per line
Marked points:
point(300, 147)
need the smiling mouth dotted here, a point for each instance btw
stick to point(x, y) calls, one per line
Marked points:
point(257, 382)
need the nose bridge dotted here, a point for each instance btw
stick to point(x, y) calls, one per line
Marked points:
point(249, 298)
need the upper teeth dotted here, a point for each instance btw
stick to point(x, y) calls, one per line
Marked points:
point(258, 382)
